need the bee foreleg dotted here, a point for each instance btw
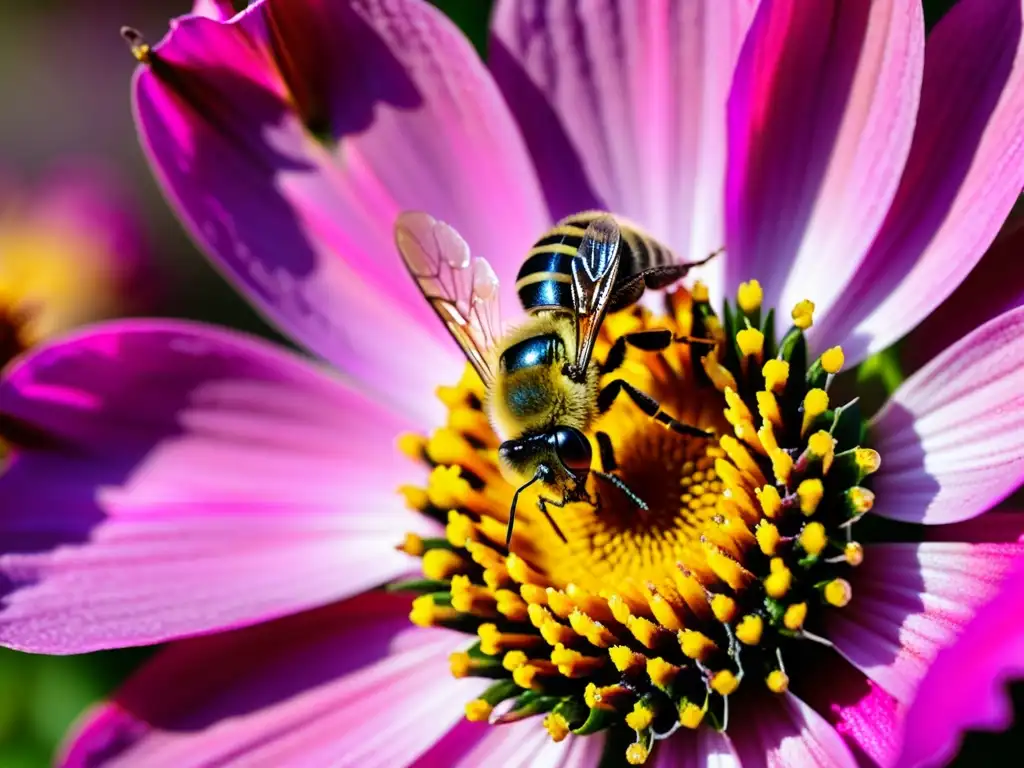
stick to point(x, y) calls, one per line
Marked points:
point(607, 452)
point(649, 341)
point(542, 505)
point(512, 510)
point(648, 405)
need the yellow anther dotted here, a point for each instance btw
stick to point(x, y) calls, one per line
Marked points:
point(750, 629)
point(636, 753)
point(777, 681)
point(724, 608)
point(782, 465)
point(832, 360)
point(412, 545)
point(556, 726)
point(624, 658)
point(442, 564)
point(768, 407)
point(767, 537)
point(795, 616)
point(521, 572)
point(690, 715)
point(750, 342)
point(490, 639)
point(725, 568)
point(412, 445)
point(776, 374)
point(813, 538)
point(749, 296)
point(661, 672)
point(415, 497)
point(737, 406)
point(861, 499)
point(724, 682)
point(567, 660)
point(695, 645)
point(425, 613)
point(868, 460)
point(809, 493)
point(854, 553)
point(460, 529)
point(478, 710)
point(720, 376)
point(526, 675)
point(766, 436)
point(619, 607)
point(594, 631)
point(823, 446)
point(514, 660)
point(609, 697)
point(803, 314)
point(838, 592)
point(460, 664)
point(533, 594)
point(559, 603)
point(644, 630)
point(469, 597)
point(699, 292)
point(770, 500)
point(778, 582)
point(815, 404)
point(640, 718)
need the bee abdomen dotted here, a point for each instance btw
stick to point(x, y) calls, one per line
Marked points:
point(545, 279)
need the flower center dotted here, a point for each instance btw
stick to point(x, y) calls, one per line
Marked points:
point(650, 617)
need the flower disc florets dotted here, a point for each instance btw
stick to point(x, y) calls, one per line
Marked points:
point(647, 620)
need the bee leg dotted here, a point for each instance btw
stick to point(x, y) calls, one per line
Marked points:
point(542, 505)
point(649, 341)
point(655, 278)
point(627, 492)
point(607, 452)
point(648, 405)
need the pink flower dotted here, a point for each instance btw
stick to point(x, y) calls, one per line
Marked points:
point(177, 481)
point(70, 253)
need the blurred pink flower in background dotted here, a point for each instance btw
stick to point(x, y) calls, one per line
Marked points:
point(178, 480)
point(70, 252)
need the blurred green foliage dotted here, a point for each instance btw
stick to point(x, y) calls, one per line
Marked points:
point(41, 696)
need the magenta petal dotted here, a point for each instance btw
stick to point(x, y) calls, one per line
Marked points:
point(965, 686)
point(703, 748)
point(171, 479)
point(821, 116)
point(409, 119)
point(519, 745)
point(219, 10)
point(910, 600)
point(348, 684)
point(622, 104)
point(994, 286)
point(783, 732)
point(952, 436)
point(966, 169)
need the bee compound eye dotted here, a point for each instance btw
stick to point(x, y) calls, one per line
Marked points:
point(573, 449)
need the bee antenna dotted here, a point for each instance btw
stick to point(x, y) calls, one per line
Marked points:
point(618, 483)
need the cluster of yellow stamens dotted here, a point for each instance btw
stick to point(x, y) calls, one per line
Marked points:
point(648, 620)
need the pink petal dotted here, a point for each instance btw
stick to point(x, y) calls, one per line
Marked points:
point(623, 106)
point(966, 169)
point(910, 600)
point(952, 436)
point(520, 745)
point(782, 732)
point(348, 684)
point(304, 227)
point(171, 479)
point(218, 10)
point(820, 122)
point(704, 748)
point(869, 719)
point(997, 525)
point(965, 688)
point(995, 286)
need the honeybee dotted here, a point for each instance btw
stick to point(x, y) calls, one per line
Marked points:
point(543, 391)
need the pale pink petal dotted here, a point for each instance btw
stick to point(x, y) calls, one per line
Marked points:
point(997, 525)
point(966, 169)
point(352, 684)
point(407, 118)
point(994, 286)
point(821, 117)
point(965, 687)
point(782, 732)
point(951, 436)
point(623, 106)
point(869, 719)
point(704, 748)
point(170, 479)
point(910, 600)
point(525, 744)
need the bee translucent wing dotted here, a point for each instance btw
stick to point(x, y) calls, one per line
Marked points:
point(593, 276)
point(462, 290)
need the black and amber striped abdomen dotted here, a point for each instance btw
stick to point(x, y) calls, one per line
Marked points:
point(545, 279)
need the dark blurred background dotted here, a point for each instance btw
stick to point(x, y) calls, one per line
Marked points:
point(64, 76)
